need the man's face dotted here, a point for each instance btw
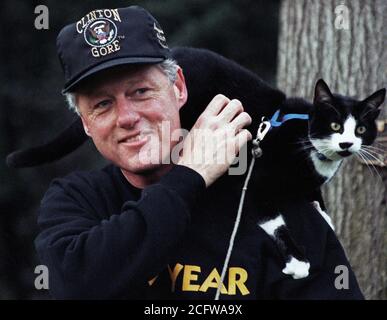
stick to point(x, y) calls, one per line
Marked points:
point(124, 109)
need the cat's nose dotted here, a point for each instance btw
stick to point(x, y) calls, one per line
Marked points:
point(345, 145)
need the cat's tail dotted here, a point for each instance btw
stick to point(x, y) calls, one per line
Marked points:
point(65, 142)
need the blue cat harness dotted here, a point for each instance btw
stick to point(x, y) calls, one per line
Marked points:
point(276, 122)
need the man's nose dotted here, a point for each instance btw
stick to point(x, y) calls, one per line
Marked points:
point(127, 115)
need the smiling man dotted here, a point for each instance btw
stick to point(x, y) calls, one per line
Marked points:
point(125, 117)
point(144, 227)
point(108, 232)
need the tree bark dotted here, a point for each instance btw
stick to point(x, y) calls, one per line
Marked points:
point(312, 45)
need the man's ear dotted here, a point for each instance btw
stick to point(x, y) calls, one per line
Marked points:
point(322, 92)
point(180, 88)
point(85, 126)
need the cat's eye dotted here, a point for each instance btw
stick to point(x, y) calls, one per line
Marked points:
point(335, 126)
point(360, 129)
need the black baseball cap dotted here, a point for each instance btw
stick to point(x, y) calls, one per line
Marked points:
point(105, 38)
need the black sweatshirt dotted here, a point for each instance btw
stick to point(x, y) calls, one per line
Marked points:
point(101, 238)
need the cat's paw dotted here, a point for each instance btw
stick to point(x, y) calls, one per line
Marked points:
point(323, 214)
point(296, 268)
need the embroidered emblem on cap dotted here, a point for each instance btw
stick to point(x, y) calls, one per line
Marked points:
point(160, 36)
point(101, 35)
point(100, 32)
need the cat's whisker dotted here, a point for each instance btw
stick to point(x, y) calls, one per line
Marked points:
point(374, 156)
point(379, 151)
point(305, 148)
point(379, 144)
point(311, 147)
point(324, 148)
point(301, 150)
point(305, 139)
point(373, 147)
point(303, 145)
point(368, 162)
point(376, 171)
point(365, 161)
point(327, 151)
point(374, 152)
point(370, 165)
point(366, 154)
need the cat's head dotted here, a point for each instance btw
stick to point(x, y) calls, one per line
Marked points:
point(340, 126)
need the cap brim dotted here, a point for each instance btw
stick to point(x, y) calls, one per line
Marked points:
point(109, 64)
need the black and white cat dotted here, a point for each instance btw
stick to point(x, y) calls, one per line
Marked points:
point(298, 156)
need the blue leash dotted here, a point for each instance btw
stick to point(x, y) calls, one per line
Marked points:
point(276, 123)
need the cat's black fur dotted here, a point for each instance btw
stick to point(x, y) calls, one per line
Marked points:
point(285, 171)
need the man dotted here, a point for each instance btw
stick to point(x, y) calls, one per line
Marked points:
point(147, 227)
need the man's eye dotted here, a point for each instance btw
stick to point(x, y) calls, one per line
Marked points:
point(141, 91)
point(103, 104)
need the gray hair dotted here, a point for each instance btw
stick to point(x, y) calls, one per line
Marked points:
point(168, 66)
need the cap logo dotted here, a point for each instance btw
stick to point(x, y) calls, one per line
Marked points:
point(97, 14)
point(100, 32)
point(160, 36)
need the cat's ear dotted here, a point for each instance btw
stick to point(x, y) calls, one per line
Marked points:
point(376, 99)
point(372, 104)
point(322, 92)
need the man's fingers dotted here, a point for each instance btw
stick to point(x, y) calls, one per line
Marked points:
point(241, 120)
point(230, 111)
point(242, 138)
point(216, 105)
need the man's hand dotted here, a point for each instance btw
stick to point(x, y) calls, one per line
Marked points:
point(216, 138)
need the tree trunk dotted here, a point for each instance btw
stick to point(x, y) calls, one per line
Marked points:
point(315, 42)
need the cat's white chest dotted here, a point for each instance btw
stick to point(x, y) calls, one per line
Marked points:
point(324, 168)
